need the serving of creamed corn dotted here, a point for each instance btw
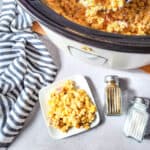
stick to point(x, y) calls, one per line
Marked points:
point(107, 15)
point(70, 106)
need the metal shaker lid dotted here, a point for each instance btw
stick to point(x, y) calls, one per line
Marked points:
point(141, 101)
point(112, 78)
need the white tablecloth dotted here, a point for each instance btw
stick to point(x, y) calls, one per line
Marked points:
point(108, 135)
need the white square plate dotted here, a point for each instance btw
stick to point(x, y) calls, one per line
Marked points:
point(44, 94)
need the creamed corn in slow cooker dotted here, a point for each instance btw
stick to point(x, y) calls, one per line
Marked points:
point(107, 15)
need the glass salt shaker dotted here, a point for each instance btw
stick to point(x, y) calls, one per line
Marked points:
point(113, 96)
point(137, 119)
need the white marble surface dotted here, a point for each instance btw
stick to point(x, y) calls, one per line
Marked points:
point(108, 135)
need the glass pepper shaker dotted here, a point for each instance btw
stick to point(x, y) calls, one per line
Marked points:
point(137, 119)
point(113, 96)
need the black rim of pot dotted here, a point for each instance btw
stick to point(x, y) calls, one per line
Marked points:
point(108, 41)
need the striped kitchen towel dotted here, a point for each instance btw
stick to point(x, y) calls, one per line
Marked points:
point(25, 66)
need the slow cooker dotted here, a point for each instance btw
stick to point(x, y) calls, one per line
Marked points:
point(97, 47)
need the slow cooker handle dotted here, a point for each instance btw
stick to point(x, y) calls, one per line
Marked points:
point(87, 56)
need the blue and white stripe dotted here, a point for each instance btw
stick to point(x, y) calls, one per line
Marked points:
point(25, 66)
